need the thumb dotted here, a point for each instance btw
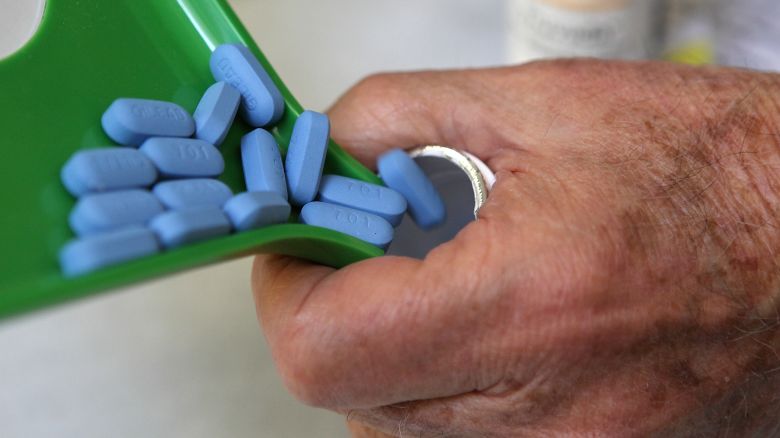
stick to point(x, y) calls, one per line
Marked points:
point(403, 110)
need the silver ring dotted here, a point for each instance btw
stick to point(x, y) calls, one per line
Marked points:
point(480, 175)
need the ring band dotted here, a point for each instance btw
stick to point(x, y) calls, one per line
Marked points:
point(478, 173)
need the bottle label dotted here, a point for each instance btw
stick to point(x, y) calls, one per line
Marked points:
point(628, 29)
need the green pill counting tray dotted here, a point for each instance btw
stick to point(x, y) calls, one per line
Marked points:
point(53, 91)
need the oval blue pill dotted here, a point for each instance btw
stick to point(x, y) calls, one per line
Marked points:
point(98, 170)
point(371, 198)
point(102, 212)
point(215, 113)
point(189, 193)
point(306, 156)
point(261, 102)
point(365, 226)
point(403, 175)
point(182, 227)
point(263, 168)
point(183, 157)
point(257, 209)
point(87, 254)
point(131, 121)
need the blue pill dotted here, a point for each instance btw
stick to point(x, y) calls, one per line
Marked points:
point(131, 121)
point(98, 170)
point(257, 209)
point(365, 226)
point(215, 113)
point(263, 168)
point(88, 254)
point(187, 193)
point(261, 101)
point(306, 156)
point(102, 212)
point(183, 157)
point(371, 198)
point(403, 175)
point(182, 227)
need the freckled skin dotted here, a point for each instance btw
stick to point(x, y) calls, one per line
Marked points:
point(622, 279)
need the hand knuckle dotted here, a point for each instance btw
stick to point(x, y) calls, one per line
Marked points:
point(303, 367)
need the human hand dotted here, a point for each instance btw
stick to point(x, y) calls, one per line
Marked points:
point(621, 280)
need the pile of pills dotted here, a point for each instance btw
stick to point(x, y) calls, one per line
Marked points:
point(159, 190)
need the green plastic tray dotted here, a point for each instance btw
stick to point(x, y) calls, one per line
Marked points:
point(52, 93)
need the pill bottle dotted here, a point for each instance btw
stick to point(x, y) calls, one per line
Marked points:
point(689, 32)
point(625, 29)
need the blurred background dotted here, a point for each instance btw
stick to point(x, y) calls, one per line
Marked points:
point(183, 356)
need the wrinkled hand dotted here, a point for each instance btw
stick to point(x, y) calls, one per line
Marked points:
point(623, 278)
